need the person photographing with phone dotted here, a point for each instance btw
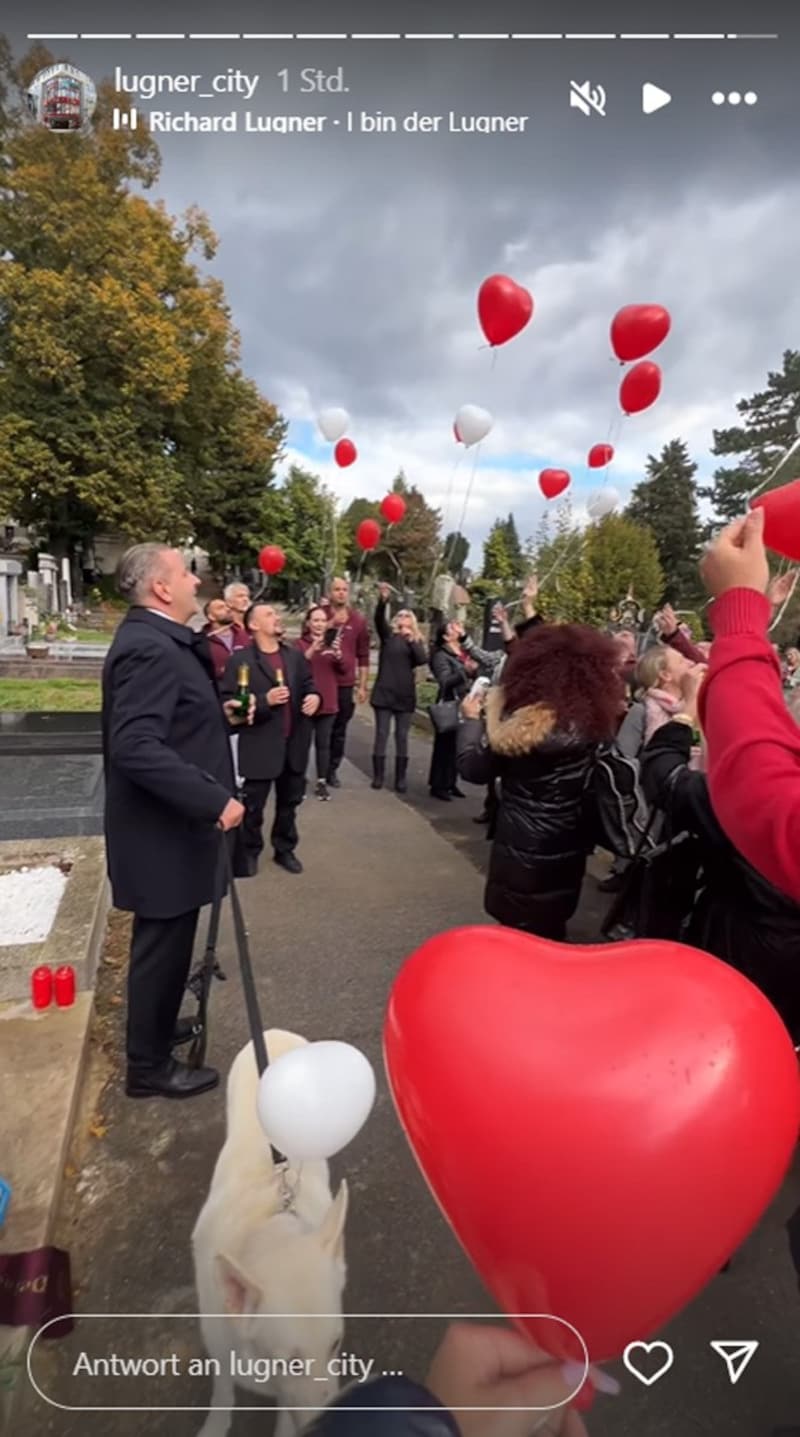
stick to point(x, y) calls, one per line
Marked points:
point(274, 749)
point(321, 643)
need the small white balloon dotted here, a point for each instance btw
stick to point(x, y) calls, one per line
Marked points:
point(334, 424)
point(473, 424)
point(313, 1100)
point(602, 503)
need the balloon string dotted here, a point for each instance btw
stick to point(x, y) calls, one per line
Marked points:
point(785, 603)
point(784, 458)
point(446, 551)
point(570, 544)
point(469, 487)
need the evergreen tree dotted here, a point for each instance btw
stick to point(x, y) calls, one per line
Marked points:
point(620, 557)
point(455, 555)
point(498, 563)
point(514, 548)
point(666, 504)
point(769, 428)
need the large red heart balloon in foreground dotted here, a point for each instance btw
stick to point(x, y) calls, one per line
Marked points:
point(602, 1126)
point(504, 308)
point(271, 559)
point(638, 329)
point(553, 482)
point(781, 519)
point(640, 388)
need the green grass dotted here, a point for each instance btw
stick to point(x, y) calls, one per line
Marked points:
point(95, 636)
point(50, 695)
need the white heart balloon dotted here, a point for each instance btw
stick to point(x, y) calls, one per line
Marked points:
point(473, 424)
point(602, 503)
point(334, 424)
point(313, 1100)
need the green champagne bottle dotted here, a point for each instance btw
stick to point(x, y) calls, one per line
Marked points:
point(242, 694)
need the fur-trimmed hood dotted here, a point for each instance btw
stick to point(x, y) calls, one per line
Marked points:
point(514, 735)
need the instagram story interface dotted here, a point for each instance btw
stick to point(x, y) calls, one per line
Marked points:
point(377, 387)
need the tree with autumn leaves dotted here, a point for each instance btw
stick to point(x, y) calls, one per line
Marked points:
point(123, 404)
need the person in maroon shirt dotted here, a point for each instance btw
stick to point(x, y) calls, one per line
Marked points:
point(324, 654)
point(276, 747)
point(352, 681)
point(218, 630)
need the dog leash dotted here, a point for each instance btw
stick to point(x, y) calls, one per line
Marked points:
point(201, 986)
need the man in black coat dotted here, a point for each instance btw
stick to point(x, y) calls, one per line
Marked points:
point(274, 750)
point(169, 791)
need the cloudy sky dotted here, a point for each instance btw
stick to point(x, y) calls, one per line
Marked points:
point(352, 262)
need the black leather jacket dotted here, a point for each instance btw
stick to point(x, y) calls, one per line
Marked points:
point(348, 1417)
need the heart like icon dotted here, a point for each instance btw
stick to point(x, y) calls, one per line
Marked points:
point(646, 1349)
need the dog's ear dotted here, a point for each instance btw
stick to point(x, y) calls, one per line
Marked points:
point(331, 1233)
point(239, 1293)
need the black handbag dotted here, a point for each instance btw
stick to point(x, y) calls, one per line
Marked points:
point(444, 715)
point(659, 886)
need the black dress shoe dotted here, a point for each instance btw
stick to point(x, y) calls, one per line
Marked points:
point(289, 862)
point(334, 781)
point(184, 1032)
point(440, 794)
point(456, 793)
point(171, 1080)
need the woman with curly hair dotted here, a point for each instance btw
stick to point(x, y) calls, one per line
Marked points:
point(559, 699)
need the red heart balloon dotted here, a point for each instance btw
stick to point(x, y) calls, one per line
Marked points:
point(602, 1126)
point(345, 453)
point(504, 308)
point(271, 559)
point(368, 534)
point(600, 455)
point(640, 388)
point(781, 519)
point(553, 482)
point(638, 329)
point(393, 508)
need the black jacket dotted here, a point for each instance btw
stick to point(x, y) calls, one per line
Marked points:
point(450, 674)
point(543, 833)
point(737, 916)
point(346, 1418)
point(263, 750)
point(168, 771)
point(395, 687)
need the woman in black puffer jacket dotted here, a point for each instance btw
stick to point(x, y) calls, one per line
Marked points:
point(560, 697)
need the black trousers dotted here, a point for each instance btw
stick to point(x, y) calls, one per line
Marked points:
point(347, 708)
point(161, 956)
point(289, 790)
point(383, 724)
point(443, 772)
point(323, 730)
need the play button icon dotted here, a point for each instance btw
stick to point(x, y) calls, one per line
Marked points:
point(654, 98)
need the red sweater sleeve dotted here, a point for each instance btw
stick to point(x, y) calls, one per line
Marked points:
point(753, 741)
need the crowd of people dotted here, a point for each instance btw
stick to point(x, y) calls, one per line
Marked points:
point(199, 727)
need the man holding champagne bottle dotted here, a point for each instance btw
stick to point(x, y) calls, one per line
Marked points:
point(274, 749)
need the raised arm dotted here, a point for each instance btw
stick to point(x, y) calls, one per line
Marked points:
point(753, 741)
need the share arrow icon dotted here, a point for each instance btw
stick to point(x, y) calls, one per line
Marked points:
point(737, 1357)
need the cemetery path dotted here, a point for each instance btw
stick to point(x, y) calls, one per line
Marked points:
point(380, 878)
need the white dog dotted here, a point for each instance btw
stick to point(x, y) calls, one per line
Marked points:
point(254, 1258)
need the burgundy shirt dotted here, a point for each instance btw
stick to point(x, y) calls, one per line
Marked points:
point(273, 663)
point(355, 647)
point(325, 670)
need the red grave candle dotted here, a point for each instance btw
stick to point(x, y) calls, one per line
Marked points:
point(65, 986)
point(42, 987)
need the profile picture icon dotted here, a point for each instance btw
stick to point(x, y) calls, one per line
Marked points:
point(62, 98)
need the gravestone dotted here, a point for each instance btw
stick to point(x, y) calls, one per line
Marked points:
point(51, 775)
